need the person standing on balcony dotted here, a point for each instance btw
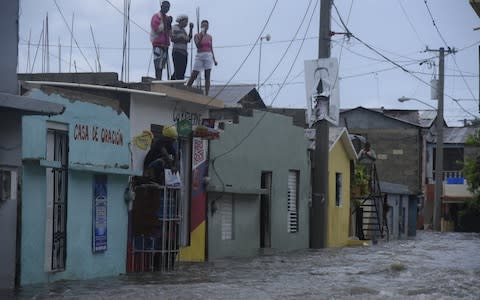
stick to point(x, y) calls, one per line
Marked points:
point(205, 58)
point(161, 28)
point(180, 39)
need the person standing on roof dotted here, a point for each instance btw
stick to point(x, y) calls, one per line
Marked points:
point(161, 28)
point(180, 39)
point(205, 57)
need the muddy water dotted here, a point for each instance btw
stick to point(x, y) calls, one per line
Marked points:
point(432, 266)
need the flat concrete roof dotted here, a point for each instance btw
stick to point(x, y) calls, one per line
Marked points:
point(29, 105)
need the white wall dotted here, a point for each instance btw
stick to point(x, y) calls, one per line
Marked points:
point(147, 110)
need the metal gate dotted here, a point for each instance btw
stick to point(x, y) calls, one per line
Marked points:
point(154, 245)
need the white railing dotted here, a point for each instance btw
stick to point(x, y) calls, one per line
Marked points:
point(446, 175)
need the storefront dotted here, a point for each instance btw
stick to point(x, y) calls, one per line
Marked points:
point(76, 167)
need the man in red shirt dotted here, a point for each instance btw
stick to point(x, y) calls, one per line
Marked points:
point(161, 28)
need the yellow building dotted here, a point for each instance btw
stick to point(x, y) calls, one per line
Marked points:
point(341, 153)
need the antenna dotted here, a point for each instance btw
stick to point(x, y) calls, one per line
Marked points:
point(199, 78)
point(71, 39)
point(28, 52)
point(98, 67)
point(47, 45)
point(59, 56)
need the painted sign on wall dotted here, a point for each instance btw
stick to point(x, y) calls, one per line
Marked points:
point(84, 132)
point(99, 238)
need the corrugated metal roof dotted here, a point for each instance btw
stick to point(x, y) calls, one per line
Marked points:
point(231, 94)
point(422, 118)
point(427, 117)
point(455, 135)
point(394, 188)
point(29, 105)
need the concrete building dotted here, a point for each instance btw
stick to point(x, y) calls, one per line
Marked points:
point(75, 170)
point(12, 108)
point(455, 188)
point(401, 212)
point(342, 156)
point(259, 189)
point(399, 139)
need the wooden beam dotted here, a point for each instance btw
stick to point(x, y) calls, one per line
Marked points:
point(184, 95)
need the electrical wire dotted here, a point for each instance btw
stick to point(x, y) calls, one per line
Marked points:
point(248, 55)
point(130, 19)
point(71, 32)
point(250, 132)
point(446, 44)
point(51, 55)
point(289, 45)
point(410, 22)
point(396, 64)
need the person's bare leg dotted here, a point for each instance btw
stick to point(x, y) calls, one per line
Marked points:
point(207, 81)
point(192, 78)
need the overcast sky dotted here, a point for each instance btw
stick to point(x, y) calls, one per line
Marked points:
point(398, 29)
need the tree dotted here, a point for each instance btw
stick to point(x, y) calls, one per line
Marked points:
point(469, 216)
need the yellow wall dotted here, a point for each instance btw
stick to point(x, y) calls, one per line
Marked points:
point(338, 217)
point(196, 251)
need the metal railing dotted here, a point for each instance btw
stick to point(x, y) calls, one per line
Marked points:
point(445, 175)
point(159, 252)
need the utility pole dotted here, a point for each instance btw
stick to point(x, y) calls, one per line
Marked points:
point(319, 214)
point(437, 204)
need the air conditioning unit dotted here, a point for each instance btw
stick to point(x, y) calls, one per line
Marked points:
point(8, 185)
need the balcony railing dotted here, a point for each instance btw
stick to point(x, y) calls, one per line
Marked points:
point(446, 175)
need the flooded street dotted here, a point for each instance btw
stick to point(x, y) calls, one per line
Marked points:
point(433, 266)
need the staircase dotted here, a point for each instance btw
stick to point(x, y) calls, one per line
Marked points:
point(371, 221)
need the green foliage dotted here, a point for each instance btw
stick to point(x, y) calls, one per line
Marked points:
point(471, 167)
point(469, 216)
point(361, 177)
point(471, 171)
point(474, 139)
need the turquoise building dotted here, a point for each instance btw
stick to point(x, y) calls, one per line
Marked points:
point(75, 170)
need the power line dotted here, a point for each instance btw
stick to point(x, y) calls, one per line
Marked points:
point(446, 44)
point(274, 99)
point(410, 22)
point(396, 64)
point(289, 45)
point(248, 55)
point(71, 32)
point(54, 56)
point(130, 19)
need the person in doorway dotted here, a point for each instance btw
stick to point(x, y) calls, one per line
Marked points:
point(161, 28)
point(180, 39)
point(205, 57)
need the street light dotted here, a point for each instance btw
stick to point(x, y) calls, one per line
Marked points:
point(437, 204)
point(266, 37)
point(403, 99)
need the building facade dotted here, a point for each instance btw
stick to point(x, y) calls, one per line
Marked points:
point(259, 188)
point(75, 170)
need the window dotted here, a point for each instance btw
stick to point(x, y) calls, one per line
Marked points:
point(338, 189)
point(56, 224)
point(226, 218)
point(292, 201)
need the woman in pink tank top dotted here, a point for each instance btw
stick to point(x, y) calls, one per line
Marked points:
point(205, 58)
